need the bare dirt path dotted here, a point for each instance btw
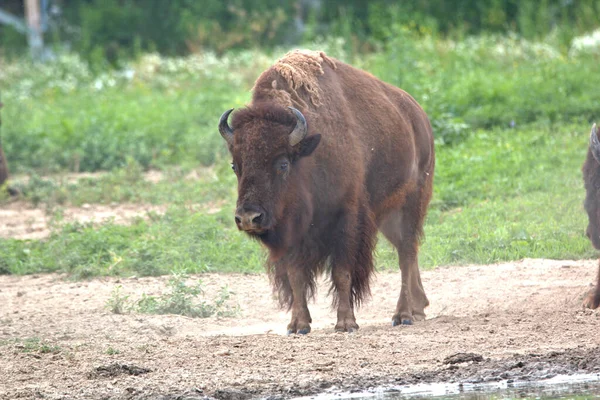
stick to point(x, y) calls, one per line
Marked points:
point(525, 320)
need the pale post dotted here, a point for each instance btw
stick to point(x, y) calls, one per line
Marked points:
point(34, 33)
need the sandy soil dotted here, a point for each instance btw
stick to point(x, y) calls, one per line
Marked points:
point(20, 220)
point(520, 320)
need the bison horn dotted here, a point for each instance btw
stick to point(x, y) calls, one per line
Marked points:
point(595, 143)
point(300, 130)
point(224, 128)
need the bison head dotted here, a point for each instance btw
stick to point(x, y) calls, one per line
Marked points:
point(267, 144)
point(591, 176)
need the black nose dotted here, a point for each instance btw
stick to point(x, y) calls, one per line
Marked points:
point(257, 219)
point(249, 219)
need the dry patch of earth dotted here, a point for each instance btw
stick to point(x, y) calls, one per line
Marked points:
point(521, 320)
point(20, 220)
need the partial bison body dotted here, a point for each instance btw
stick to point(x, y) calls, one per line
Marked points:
point(3, 165)
point(325, 155)
point(591, 179)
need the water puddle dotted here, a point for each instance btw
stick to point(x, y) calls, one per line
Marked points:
point(583, 386)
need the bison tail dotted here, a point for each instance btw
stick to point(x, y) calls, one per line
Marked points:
point(364, 266)
point(355, 252)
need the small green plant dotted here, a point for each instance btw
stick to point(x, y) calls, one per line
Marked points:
point(35, 345)
point(180, 299)
point(118, 302)
point(111, 351)
point(221, 307)
point(49, 349)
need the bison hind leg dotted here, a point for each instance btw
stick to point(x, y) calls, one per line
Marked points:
point(403, 228)
point(592, 300)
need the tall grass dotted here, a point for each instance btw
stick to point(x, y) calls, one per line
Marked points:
point(162, 111)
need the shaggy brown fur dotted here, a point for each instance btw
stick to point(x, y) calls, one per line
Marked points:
point(367, 162)
point(591, 179)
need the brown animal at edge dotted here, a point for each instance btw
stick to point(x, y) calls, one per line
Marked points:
point(325, 155)
point(3, 165)
point(591, 179)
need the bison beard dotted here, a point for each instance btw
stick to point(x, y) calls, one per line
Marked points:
point(325, 154)
point(591, 179)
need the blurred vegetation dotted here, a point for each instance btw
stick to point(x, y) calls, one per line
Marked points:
point(112, 30)
point(159, 111)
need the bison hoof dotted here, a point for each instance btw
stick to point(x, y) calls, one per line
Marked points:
point(419, 316)
point(300, 332)
point(349, 327)
point(396, 322)
point(592, 302)
point(303, 331)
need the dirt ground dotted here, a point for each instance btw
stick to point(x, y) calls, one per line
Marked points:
point(520, 320)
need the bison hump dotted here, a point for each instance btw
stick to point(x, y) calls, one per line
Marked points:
point(301, 70)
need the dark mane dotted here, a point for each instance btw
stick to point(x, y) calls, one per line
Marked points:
point(266, 112)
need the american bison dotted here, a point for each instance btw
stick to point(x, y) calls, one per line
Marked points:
point(325, 155)
point(591, 179)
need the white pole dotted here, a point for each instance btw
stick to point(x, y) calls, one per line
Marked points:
point(34, 34)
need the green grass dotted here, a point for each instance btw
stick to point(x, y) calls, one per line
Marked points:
point(499, 195)
point(201, 186)
point(32, 345)
point(159, 112)
point(511, 120)
point(162, 112)
point(506, 195)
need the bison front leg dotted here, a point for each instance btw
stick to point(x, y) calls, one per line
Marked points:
point(301, 319)
point(342, 280)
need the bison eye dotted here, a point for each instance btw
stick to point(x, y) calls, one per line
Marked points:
point(233, 167)
point(283, 166)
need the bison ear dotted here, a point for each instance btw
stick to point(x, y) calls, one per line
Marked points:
point(307, 146)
